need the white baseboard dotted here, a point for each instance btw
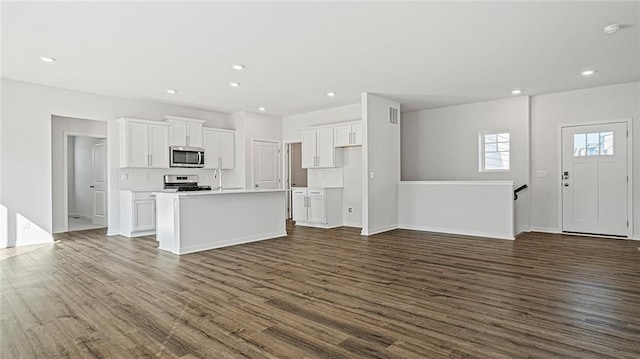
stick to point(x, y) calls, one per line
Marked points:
point(231, 242)
point(545, 229)
point(59, 230)
point(522, 229)
point(458, 231)
point(352, 224)
point(317, 225)
point(373, 231)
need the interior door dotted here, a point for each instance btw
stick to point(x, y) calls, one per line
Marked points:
point(309, 148)
point(594, 179)
point(266, 167)
point(99, 182)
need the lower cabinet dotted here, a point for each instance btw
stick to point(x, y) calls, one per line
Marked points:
point(138, 213)
point(317, 207)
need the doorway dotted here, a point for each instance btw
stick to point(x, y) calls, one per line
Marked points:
point(265, 173)
point(85, 181)
point(595, 185)
point(296, 176)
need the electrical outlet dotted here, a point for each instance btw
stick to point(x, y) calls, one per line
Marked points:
point(26, 225)
point(350, 210)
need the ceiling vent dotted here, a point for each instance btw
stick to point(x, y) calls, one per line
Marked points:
point(394, 115)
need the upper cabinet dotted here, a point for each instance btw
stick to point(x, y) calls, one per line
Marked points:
point(318, 150)
point(144, 144)
point(219, 148)
point(185, 132)
point(348, 135)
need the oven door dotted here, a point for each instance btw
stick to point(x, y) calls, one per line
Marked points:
point(187, 157)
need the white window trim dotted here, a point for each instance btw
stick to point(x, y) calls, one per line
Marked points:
point(481, 154)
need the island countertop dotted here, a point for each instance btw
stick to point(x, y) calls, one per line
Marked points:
point(215, 192)
point(189, 222)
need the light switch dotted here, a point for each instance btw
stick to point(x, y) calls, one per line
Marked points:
point(541, 174)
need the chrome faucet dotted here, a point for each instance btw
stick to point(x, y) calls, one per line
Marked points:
point(217, 173)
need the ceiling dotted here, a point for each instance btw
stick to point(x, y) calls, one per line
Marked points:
point(422, 54)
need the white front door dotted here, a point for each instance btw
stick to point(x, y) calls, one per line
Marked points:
point(99, 182)
point(266, 169)
point(594, 179)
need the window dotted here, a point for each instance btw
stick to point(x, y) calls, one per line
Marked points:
point(494, 151)
point(593, 144)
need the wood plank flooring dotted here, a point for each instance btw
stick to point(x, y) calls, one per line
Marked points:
point(324, 294)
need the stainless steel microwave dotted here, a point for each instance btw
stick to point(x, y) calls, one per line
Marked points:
point(191, 157)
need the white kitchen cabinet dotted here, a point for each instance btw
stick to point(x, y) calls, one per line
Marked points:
point(219, 148)
point(144, 144)
point(138, 213)
point(318, 150)
point(185, 132)
point(317, 207)
point(348, 135)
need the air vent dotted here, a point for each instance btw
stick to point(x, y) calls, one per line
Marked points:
point(394, 115)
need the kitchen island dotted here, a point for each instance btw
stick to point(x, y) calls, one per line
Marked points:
point(190, 222)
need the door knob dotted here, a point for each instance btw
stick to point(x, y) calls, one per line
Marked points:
point(257, 185)
point(566, 185)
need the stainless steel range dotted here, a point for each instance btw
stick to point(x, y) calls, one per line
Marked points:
point(184, 183)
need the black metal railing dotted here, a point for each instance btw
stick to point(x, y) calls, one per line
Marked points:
point(515, 193)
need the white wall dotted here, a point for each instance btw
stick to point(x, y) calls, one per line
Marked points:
point(352, 186)
point(60, 125)
point(293, 124)
point(26, 152)
point(250, 126)
point(381, 156)
point(442, 144)
point(551, 111)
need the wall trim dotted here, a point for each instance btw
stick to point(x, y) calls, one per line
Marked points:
point(352, 224)
point(371, 232)
point(522, 229)
point(493, 235)
point(545, 229)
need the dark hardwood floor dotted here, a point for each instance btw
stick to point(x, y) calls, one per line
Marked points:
point(324, 294)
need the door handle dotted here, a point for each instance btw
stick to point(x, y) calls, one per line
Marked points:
point(92, 186)
point(257, 185)
point(566, 185)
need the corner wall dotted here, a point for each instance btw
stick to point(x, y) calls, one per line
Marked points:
point(25, 155)
point(551, 111)
point(442, 144)
point(381, 158)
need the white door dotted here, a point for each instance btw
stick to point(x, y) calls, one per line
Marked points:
point(227, 150)
point(326, 152)
point(211, 149)
point(266, 173)
point(594, 179)
point(99, 182)
point(309, 148)
point(158, 146)
point(137, 145)
point(317, 211)
point(300, 205)
point(342, 135)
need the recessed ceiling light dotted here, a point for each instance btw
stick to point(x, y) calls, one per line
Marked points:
point(611, 29)
point(588, 72)
point(48, 59)
point(331, 94)
point(234, 84)
point(516, 92)
point(262, 108)
point(237, 67)
point(172, 91)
